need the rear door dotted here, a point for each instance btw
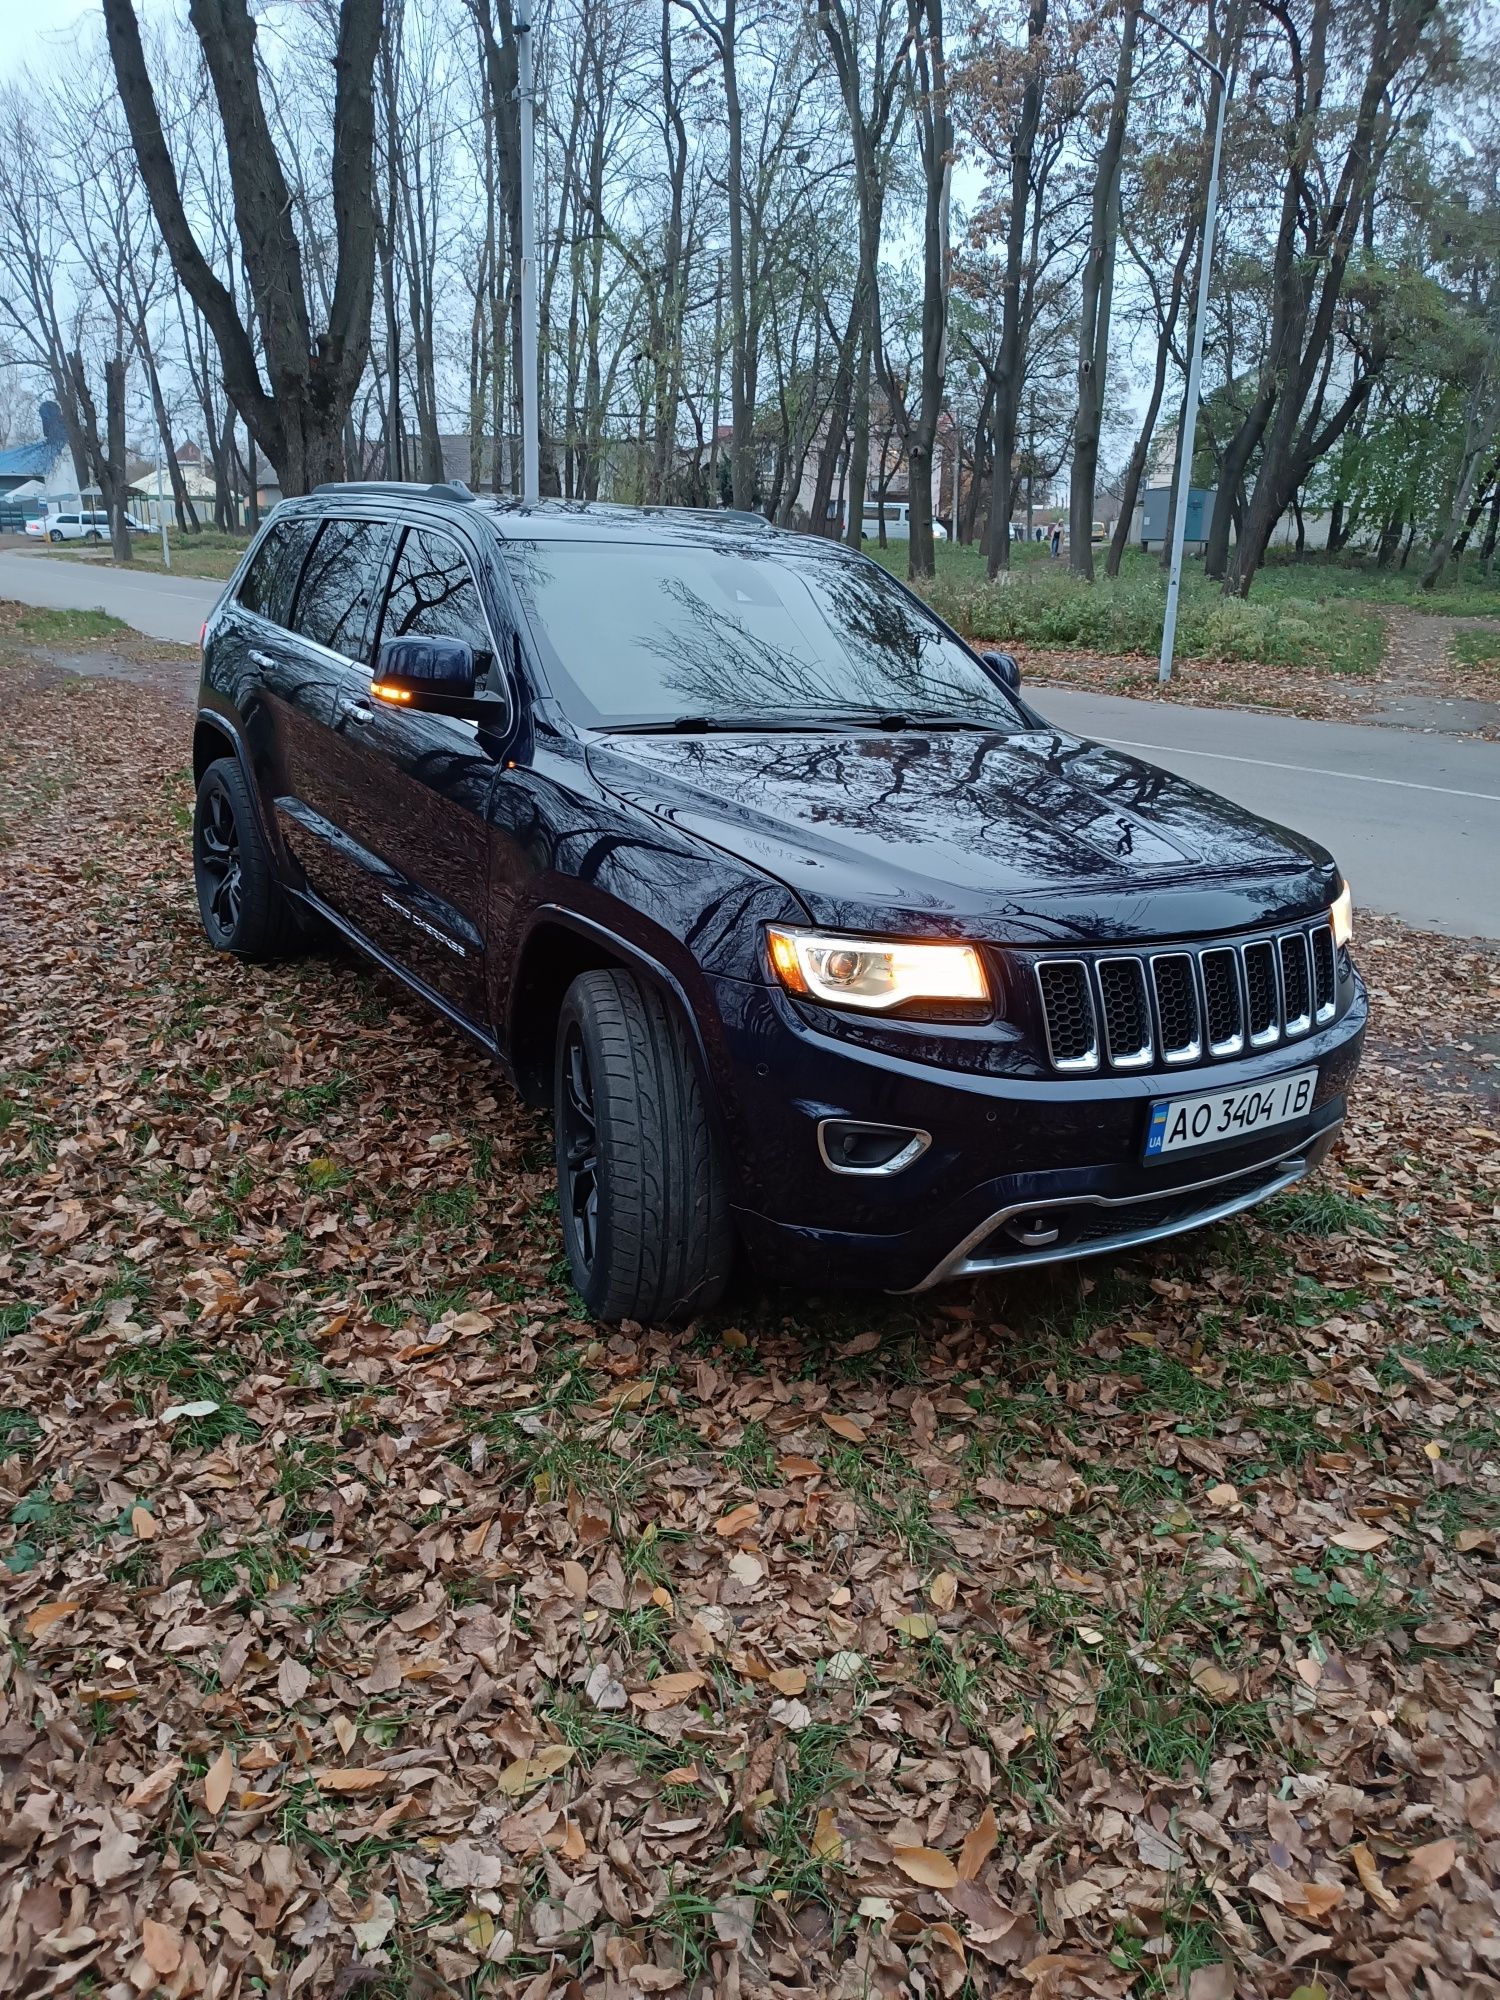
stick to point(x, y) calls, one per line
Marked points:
point(416, 808)
point(325, 653)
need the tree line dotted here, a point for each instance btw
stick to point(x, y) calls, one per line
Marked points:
point(792, 253)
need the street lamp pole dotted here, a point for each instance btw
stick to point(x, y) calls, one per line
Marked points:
point(1195, 352)
point(530, 448)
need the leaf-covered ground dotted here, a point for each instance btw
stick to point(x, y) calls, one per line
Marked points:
point(377, 1626)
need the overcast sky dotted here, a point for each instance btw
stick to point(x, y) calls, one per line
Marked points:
point(39, 36)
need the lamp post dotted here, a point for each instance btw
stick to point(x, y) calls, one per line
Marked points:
point(530, 448)
point(1195, 352)
point(161, 516)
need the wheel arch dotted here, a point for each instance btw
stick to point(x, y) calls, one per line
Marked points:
point(559, 945)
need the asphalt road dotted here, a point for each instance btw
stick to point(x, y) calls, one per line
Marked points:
point(163, 607)
point(1414, 818)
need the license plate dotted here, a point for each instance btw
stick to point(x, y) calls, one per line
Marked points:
point(1218, 1115)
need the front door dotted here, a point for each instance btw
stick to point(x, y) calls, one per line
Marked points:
point(416, 809)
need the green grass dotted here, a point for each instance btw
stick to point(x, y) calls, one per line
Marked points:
point(66, 628)
point(209, 553)
point(1318, 614)
point(1478, 647)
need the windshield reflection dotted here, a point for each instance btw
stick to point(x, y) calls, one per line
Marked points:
point(647, 631)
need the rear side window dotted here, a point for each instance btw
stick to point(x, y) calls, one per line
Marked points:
point(272, 576)
point(340, 583)
point(434, 596)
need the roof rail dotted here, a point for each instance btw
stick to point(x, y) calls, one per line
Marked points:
point(446, 489)
point(747, 517)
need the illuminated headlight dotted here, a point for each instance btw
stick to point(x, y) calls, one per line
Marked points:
point(876, 973)
point(1341, 916)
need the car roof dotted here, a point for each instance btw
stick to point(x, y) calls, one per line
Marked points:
point(561, 520)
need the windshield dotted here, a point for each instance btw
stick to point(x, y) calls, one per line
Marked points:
point(648, 632)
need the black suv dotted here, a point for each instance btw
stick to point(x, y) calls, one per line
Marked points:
point(819, 941)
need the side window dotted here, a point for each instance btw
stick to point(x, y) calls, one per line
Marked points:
point(434, 596)
point(272, 576)
point(340, 582)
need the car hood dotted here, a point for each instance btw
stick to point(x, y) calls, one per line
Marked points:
point(1025, 836)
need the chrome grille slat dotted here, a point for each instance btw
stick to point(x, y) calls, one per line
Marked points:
point(1179, 1018)
point(1187, 1004)
point(1296, 984)
point(1126, 1011)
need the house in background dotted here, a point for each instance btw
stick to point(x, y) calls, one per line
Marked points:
point(37, 477)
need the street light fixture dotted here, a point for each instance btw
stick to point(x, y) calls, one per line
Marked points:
point(1195, 354)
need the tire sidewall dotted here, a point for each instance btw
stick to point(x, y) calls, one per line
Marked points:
point(215, 784)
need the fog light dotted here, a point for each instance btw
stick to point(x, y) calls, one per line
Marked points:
point(850, 1146)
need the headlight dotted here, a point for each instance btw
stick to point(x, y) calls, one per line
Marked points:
point(876, 973)
point(1341, 916)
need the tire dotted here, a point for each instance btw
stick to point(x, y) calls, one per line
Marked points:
point(93, 535)
point(641, 1186)
point(55, 535)
point(242, 906)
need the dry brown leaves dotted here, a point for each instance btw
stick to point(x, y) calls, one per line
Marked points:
point(376, 1626)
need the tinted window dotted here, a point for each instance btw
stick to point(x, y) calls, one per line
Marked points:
point(643, 632)
point(434, 596)
point(272, 576)
point(340, 582)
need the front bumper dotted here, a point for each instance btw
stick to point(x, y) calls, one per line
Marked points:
point(1005, 1151)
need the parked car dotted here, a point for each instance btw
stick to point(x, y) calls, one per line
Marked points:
point(87, 525)
point(821, 943)
point(897, 523)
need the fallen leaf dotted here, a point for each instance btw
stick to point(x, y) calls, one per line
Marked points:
point(217, 1780)
point(1369, 1875)
point(737, 1519)
point(465, 1865)
point(1313, 1900)
point(1215, 1681)
point(292, 1682)
point(143, 1524)
point(979, 1844)
point(747, 1569)
point(845, 1427)
point(1360, 1538)
point(355, 1779)
point(604, 1688)
point(942, 1590)
point(788, 1680)
point(916, 1626)
point(46, 1616)
point(161, 1947)
point(526, 1773)
point(1432, 1861)
point(179, 1410)
point(374, 1923)
point(827, 1841)
point(925, 1865)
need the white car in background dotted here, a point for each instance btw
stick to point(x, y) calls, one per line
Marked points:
point(897, 523)
point(90, 524)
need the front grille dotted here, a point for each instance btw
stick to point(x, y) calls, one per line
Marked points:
point(1296, 986)
point(1127, 1012)
point(1221, 1001)
point(1177, 1006)
point(1068, 1008)
point(1188, 1004)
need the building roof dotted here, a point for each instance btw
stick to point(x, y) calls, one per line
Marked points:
point(29, 461)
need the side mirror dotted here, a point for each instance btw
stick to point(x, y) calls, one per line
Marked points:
point(1005, 670)
point(411, 673)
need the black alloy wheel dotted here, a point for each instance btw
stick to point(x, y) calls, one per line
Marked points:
point(579, 1153)
point(241, 903)
point(219, 863)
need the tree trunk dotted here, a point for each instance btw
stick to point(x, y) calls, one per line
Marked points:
point(1007, 372)
point(1094, 311)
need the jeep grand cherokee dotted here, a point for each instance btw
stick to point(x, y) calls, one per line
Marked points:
point(819, 941)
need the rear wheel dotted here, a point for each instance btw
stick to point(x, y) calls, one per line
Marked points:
point(641, 1188)
point(243, 907)
point(55, 535)
point(93, 535)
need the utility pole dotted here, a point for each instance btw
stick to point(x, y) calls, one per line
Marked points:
point(531, 481)
point(1195, 354)
point(161, 518)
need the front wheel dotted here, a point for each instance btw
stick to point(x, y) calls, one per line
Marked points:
point(641, 1187)
point(93, 535)
point(243, 907)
